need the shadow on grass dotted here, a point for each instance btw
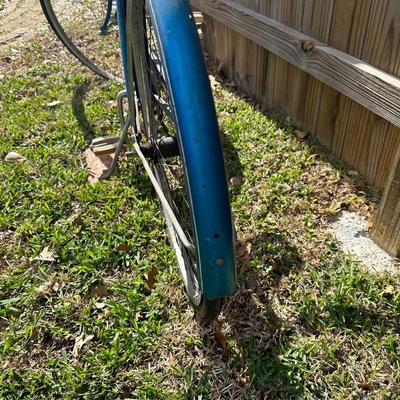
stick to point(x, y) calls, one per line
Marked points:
point(260, 333)
point(269, 348)
point(322, 152)
point(78, 109)
point(234, 168)
point(253, 365)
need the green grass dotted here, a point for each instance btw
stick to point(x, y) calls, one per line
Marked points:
point(305, 323)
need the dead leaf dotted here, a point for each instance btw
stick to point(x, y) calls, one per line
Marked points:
point(123, 247)
point(235, 181)
point(13, 156)
point(151, 278)
point(365, 386)
point(80, 341)
point(46, 255)
point(97, 165)
point(243, 269)
point(100, 290)
point(244, 251)
point(220, 338)
point(53, 103)
point(301, 135)
point(251, 281)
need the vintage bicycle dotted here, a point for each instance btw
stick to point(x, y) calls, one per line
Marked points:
point(172, 126)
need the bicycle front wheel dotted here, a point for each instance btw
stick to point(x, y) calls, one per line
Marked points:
point(169, 64)
point(88, 29)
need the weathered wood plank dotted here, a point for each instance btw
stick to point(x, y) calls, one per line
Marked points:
point(374, 89)
point(386, 229)
point(320, 101)
point(386, 153)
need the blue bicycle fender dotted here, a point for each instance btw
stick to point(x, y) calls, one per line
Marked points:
point(121, 16)
point(200, 144)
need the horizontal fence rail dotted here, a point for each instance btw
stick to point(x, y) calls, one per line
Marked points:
point(376, 90)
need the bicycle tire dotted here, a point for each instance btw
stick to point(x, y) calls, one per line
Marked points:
point(58, 23)
point(196, 181)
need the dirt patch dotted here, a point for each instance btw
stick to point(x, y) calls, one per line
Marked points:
point(19, 21)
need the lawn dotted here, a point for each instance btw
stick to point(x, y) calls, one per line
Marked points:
point(306, 322)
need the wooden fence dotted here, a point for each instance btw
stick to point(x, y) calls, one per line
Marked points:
point(333, 66)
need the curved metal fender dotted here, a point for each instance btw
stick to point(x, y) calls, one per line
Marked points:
point(200, 144)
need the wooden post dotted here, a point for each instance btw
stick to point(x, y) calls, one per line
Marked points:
point(386, 228)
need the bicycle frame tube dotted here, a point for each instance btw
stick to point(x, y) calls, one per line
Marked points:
point(121, 12)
